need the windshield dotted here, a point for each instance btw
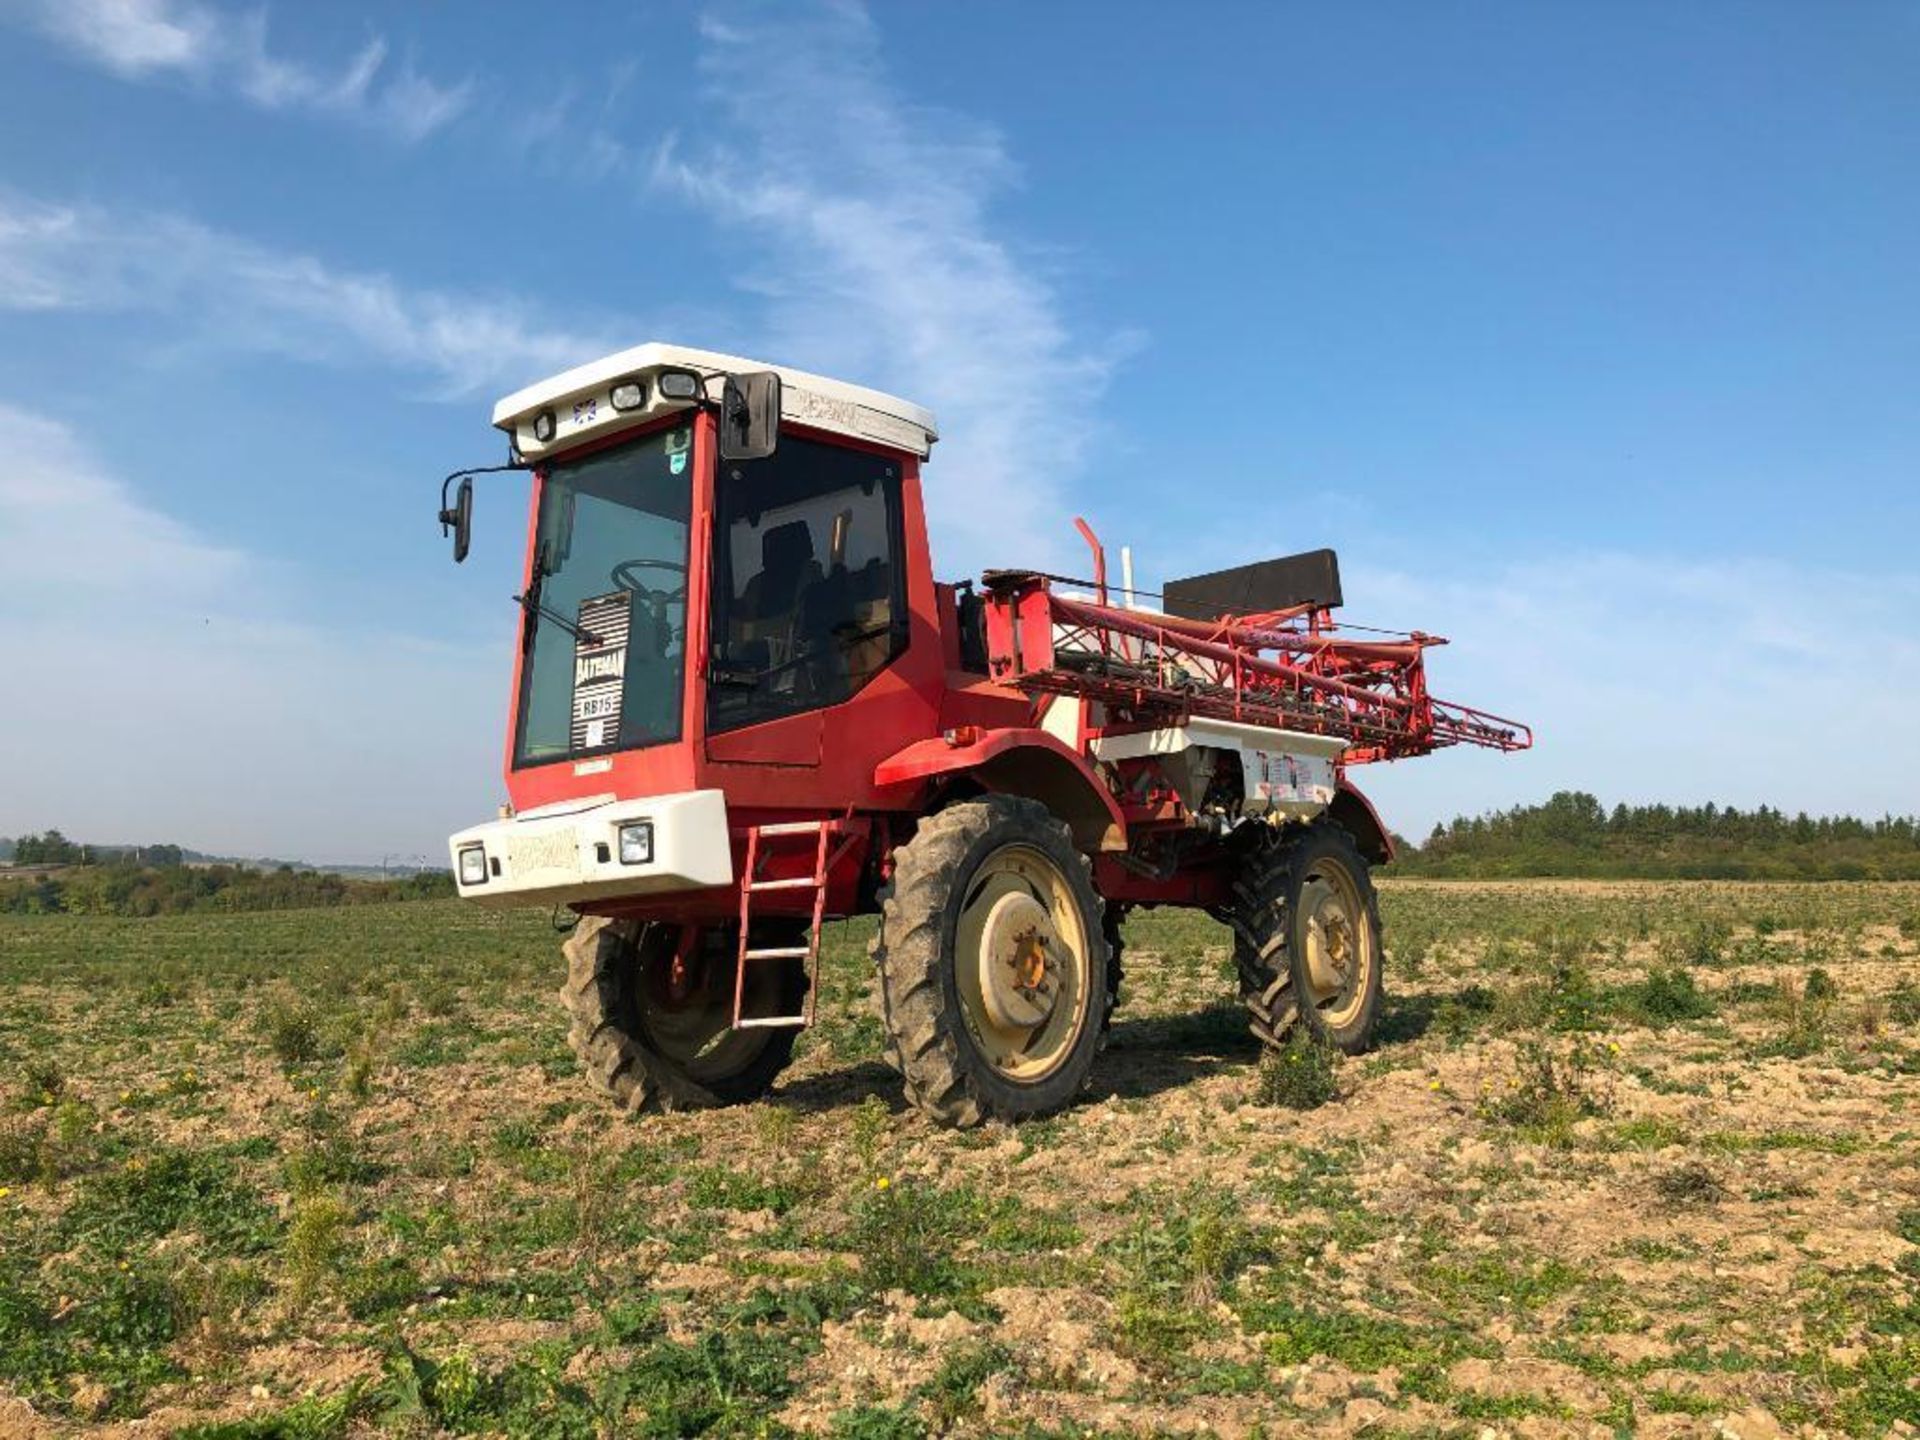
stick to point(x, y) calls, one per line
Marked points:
point(605, 628)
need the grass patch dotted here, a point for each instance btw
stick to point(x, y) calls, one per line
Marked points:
point(1549, 1090)
point(1304, 1074)
point(953, 1394)
point(939, 1243)
point(1174, 1262)
point(1666, 995)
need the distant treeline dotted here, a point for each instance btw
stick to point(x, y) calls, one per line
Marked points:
point(53, 848)
point(1573, 834)
point(121, 887)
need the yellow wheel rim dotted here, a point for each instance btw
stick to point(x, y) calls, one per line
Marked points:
point(1337, 931)
point(1020, 963)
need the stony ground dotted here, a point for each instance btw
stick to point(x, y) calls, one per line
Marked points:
point(1629, 1157)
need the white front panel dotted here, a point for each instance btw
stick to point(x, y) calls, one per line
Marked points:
point(558, 858)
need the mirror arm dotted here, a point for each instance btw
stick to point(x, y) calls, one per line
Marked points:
point(446, 515)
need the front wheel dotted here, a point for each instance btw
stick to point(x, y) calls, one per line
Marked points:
point(992, 960)
point(652, 1010)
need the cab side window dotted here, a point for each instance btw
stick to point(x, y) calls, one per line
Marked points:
point(808, 589)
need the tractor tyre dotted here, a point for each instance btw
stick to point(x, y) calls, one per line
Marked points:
point(1110, 929)
point(993, 962)
point(1306, 925)
point(652, 1017)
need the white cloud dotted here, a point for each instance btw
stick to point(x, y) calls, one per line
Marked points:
point(882, 261)
point(237, 293)
point(1742, 681)
point(156, 691)
point(29, 236)
point(209, 46)
point(66, 524)
point(129, 37)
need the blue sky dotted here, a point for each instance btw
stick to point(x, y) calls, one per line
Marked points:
point(1587, 335)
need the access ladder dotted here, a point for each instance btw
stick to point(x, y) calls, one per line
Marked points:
point(822, 833)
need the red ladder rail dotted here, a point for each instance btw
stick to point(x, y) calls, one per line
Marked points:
point(823, 831)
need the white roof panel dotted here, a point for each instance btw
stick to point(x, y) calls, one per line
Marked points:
point(805, 398)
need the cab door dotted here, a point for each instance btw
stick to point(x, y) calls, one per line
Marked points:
point(808, 597)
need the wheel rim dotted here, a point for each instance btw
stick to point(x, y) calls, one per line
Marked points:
point(1020, 958)
point(684, 1010)
point(1337, 934)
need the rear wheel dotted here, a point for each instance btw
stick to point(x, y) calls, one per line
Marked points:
point(993, 963)
point(652, 1010)
point(1307, 944)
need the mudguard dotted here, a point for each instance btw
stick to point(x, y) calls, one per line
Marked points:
point(1355, 814)
point(1025, 762)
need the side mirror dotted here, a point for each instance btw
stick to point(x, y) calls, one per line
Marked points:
point(750, 416)
point(459, 519)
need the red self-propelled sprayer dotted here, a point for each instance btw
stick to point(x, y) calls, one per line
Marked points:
point(743, 706)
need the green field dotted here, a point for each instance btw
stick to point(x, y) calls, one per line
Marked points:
point(1629, 1155)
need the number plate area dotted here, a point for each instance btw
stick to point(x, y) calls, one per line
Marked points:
point(555, 850)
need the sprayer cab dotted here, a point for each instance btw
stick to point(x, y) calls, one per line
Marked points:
point(721, 557)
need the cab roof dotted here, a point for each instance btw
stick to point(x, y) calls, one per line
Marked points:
point(581, 401)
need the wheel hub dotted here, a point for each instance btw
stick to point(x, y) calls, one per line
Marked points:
point(1016, 966)
point(1331, 940)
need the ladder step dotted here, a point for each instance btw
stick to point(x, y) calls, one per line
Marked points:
point(772, 1022)
point(778, 952)
point(804, 882)
point(794, 827)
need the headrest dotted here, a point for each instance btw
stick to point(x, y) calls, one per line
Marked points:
point(786, 547)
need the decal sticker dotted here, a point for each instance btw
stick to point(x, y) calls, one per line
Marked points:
point(600, 669)
point(679, 445)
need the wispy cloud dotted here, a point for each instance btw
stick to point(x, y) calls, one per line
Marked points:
point(235, 292)
point(227, 50)
point(154, 675)
point(881, 260)
point(572, 133)
point(62, 515)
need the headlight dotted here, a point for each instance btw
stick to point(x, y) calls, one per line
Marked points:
point(636, 843)
point(628, 394)
point(543, 426)
point(473, 865)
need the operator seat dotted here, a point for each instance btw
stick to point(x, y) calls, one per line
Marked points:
point(835, 627)
point(787, 566)
point(765, 611)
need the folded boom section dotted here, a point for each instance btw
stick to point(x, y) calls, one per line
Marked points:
point(1288, 670)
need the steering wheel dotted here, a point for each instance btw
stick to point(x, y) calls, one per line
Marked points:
point(623, 576)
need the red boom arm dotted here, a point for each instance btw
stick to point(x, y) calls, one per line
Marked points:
point(1289, 670)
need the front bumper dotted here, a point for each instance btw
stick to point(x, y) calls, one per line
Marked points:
point(562, 855)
